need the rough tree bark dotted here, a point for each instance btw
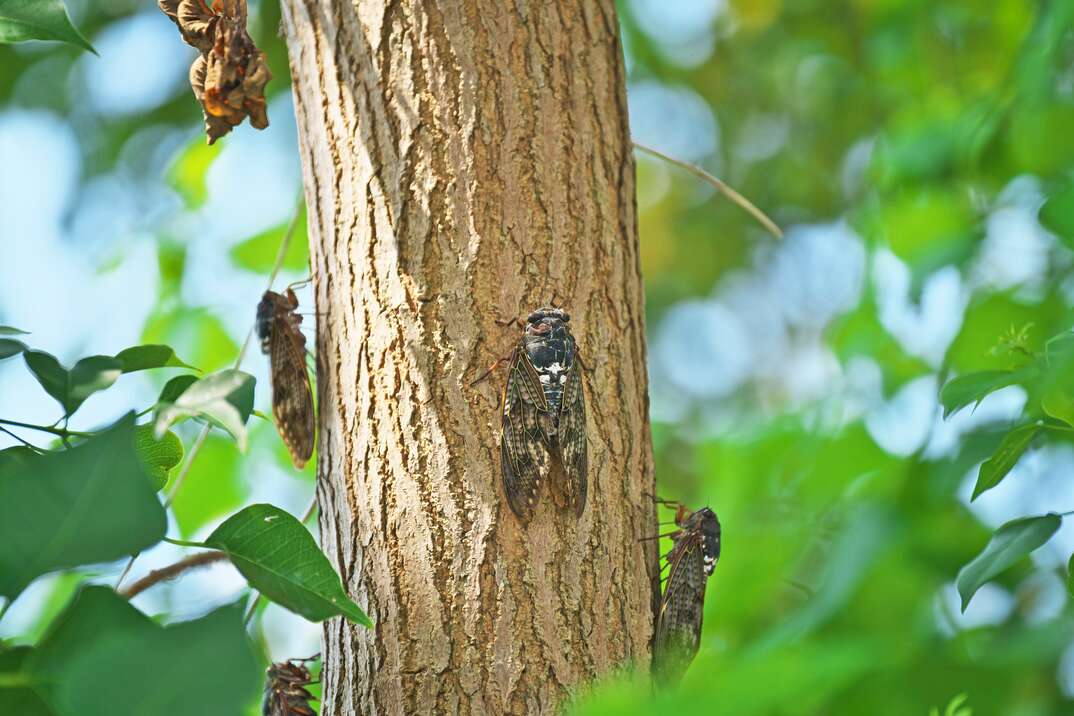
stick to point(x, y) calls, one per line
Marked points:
point(466, 162)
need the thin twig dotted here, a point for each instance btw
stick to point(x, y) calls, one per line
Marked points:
point(202, 559)
point(52, 430)
point(257, 599)
point(21, 440)
point(721, 185)
point(203, 434)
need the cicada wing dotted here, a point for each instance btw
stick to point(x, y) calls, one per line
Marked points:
point(523, 443)
point(572, 439)
point(292, 396)
point(678, 626)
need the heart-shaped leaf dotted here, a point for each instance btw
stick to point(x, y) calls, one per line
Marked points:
point(149, 356)
point(39, 20)
point(158, 457)
point(973, 388)
point(280, 558)
point(1010, 543)
point(71, 387)
point(103, 652)
point(1010, 449)
point(92, 503)
point(224, 398)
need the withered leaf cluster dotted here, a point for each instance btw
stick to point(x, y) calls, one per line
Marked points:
point(230, 75)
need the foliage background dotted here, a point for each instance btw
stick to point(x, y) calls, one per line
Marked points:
point(906, 147)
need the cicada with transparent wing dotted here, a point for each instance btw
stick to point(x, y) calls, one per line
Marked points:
point(543, 435)
point(691, 562)
point(285, 690)
point(292, 397)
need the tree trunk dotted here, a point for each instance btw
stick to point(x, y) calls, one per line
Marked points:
point(466, 162)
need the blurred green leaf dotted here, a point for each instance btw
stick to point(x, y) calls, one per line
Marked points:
point(145, 357)
point(973, 388)
point(1070, 576)
point(258, 254)
point(1057, 215)
point(92, 503)
point(187, 171)
point(1010, 449)
point(213, 487)
point(158, 457)
point(10, 347)
point(203, 667)
point(19, 694)
point(10, 331)
point(1010, 543)
point(280, 558)
point(224, 398)
point(196, 334)
point(22, 20)
point(71, 387)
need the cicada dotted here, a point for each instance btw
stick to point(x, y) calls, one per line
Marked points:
point(543, 435)
point(292, 398)
point(678, 623)
point(285, 690)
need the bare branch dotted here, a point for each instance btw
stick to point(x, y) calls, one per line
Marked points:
point(201, 559)
point(722, 186)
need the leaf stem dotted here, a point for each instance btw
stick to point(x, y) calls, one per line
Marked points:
point(201, 559)
point(721, 185)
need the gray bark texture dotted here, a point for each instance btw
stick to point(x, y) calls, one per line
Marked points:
point(465, 162)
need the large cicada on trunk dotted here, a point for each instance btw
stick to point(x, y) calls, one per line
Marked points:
point(543, 436)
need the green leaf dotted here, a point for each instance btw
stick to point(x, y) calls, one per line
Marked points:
point(196, 333)
point(71, 387)
point(104, 652)
point(18, 692)
point(22, 20)
point(175, 387)
point(280, 558)
point(158, 457)
point(1070, 576)
point(187, 171)
point(149, 356)
point(258, 254)
point(10, 347)
point(92, 503)
point(213, 487)
point(224, 398)
point(1010, 449)
point(973, 388)
point(1010, 543)
point(10, 331)
point(1057, 215)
